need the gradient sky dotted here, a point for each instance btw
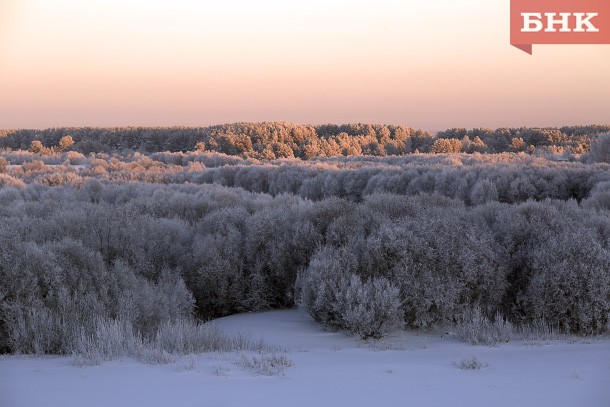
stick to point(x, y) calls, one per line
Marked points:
point(428, 64)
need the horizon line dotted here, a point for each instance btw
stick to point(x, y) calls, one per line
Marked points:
point(189, 126)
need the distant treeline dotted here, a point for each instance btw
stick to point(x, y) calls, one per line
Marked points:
point(284, 140)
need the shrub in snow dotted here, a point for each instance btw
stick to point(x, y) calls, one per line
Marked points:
point(445, 263)
point(53, 301)
point(36, 330)
point(155, 356)
point(538, 330)
point(337, 298)
point(111, 339)
point(271, 364)
point(114, 339)
point(478, 329)
point(570, 283)
point(470, 363)
point(559, 259)
point(576, 374)
point(186, 337)
point(320, 283)
point(369, 309)
point(220, 370)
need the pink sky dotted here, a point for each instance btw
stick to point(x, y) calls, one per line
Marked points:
point(432, 65)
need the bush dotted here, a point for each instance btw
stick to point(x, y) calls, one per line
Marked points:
point(37, 330)
point(273, 364)
point(476, 329)
point(186, 336)
point(340, 299)
point(538, 330)
point(470, 363)
point(570, 284)
point(446, 262)
point(52, 301)
point(110, 339)
point(370, 309)
point(114, 339)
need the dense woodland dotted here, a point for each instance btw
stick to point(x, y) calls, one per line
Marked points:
point(153, 226)
point(285, 140)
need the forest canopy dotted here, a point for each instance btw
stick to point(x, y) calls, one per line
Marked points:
point(285, 140)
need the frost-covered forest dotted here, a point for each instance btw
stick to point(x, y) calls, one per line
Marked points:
point(287, 140)
point(147, 232)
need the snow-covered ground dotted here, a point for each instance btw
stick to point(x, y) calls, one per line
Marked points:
point(328, 369)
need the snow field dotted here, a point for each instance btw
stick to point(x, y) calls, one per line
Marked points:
point(322, 368)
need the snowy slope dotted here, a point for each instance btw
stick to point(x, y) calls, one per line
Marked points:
point(329, 369)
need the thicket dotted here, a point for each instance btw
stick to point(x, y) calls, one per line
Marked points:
point(473, 179)
point(91, 244)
